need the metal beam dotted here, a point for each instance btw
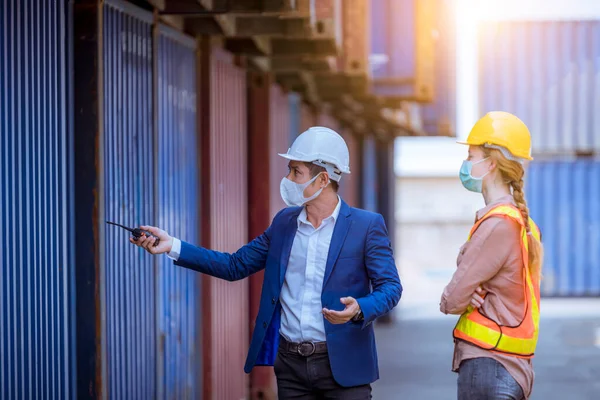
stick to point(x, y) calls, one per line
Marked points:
point(271, 25)
point(193, 7)
point(304, 46)
point(312, 64)
point(254, 46)
point(200, 26)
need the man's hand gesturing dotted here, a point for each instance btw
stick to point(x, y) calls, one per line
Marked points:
point(341, 317)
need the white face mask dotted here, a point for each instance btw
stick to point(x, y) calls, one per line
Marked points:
point(292, 193)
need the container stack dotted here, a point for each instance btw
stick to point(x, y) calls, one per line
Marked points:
point(547, 73)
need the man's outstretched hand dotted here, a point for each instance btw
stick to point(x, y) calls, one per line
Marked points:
point(341, 317)
point(165, 245)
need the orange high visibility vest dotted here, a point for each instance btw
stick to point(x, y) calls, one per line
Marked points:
point(521, 340)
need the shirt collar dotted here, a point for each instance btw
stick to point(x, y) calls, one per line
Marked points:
point(336, 212)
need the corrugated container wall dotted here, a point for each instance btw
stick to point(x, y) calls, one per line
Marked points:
point(35, 203)
point(226, 303)
point(128, 278)
point(546, 73)
point(389, 61)
point(280, 142)
point(179, 299)
point(369, 187)
point(564, 200)
point(439, 117)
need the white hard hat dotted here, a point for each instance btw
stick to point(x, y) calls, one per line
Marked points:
point(324, 147)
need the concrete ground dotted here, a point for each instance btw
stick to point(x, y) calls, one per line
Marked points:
point(415, 352)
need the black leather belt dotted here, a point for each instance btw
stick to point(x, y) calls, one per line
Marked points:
point(305, 349)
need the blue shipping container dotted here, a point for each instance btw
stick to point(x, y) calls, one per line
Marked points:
point(179, 306)
point(402, 45)
point(36, 255)
point(564, 200)
point(439, 117)
point(545, 72)
point(393, 45)
point(127, 273)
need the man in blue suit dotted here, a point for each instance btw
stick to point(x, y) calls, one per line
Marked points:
point(329, 273)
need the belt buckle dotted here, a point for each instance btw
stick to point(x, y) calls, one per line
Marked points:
point(305, 345)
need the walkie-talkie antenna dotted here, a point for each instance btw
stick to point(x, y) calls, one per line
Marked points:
point(120, 226)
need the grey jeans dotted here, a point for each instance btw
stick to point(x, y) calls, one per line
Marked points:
point(486, 379)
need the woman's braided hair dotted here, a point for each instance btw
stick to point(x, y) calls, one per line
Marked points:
point(512, 172)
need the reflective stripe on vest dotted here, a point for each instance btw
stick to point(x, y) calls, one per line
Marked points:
point(520, 341)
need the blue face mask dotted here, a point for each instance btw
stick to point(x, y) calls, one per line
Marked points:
point(469, 182)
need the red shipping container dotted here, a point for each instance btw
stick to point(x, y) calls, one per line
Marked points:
point(269, 125)
point(225, 227)
point(349, 185)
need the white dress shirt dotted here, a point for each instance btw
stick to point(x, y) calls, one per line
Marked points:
point(301, 317)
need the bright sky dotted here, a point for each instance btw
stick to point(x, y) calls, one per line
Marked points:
point(441, 156)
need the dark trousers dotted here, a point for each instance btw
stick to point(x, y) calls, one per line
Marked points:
point(486, 379)
point(300, 377)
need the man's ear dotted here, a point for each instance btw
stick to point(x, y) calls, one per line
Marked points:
point(325, 179)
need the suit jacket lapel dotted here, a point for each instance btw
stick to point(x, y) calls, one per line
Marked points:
point(288, 240)
point(342, 226)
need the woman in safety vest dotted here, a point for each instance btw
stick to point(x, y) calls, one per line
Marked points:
point(495, 287)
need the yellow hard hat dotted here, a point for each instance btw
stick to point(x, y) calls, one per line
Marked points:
point(499, 128)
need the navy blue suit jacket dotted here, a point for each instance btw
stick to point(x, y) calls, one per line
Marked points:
point(360, 264)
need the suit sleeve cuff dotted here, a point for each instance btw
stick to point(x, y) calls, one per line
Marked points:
point(368, 314)
point(175, 250)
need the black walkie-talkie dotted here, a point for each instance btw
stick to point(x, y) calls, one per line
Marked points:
point(137, 232)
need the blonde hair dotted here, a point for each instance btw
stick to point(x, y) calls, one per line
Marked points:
point(512, 172)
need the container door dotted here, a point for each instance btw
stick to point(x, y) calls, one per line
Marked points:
point(128, 273)
point(564, 200)
point(179, 300)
